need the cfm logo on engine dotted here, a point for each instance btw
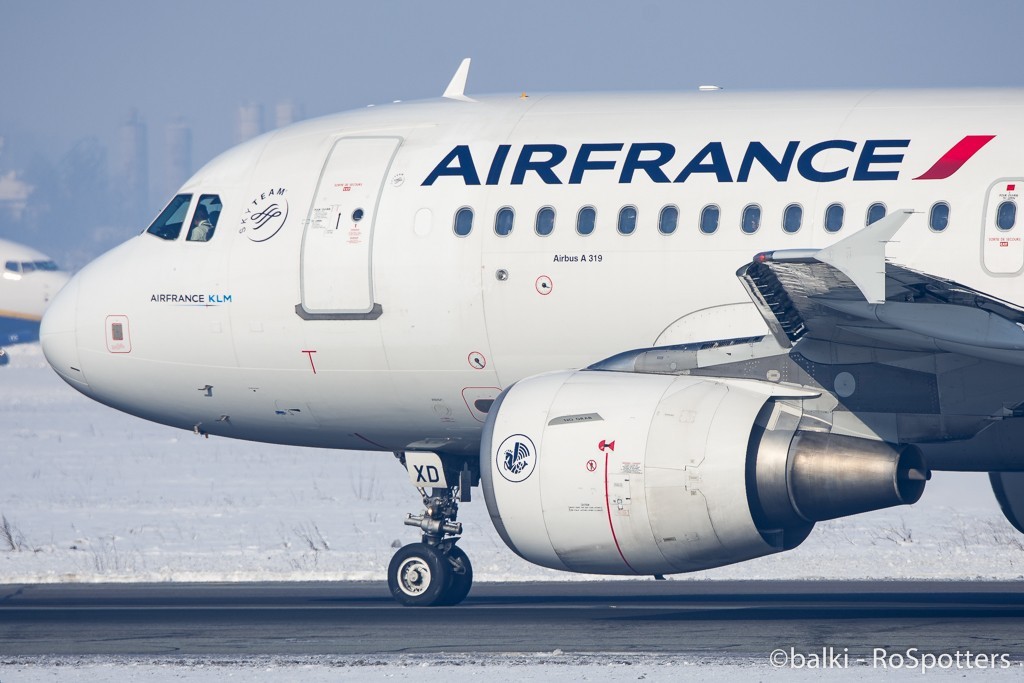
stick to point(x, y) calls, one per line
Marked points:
point(516, 458)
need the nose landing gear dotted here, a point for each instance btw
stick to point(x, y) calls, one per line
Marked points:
point(434, 572)
point(421, 575)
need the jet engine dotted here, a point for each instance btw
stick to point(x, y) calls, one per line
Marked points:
point(621, 473)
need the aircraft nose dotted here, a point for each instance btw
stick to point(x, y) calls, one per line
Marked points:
point(58, 334)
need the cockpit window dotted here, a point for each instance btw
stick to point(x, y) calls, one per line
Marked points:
point(30, 266)
point(204, 220)
point(167, 225)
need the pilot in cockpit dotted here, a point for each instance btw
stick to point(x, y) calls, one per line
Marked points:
point(202, 228)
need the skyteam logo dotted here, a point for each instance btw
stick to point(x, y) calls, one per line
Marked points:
point(265, 215)
point(516, 458)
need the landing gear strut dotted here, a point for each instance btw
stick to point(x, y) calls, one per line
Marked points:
point(434, 572)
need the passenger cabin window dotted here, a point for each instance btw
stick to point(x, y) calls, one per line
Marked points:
point(167, 225)
point(876, 212)
point(585, 220)
point(709, 219)
point(204, 220)
point(938, 217)
point(1006, 215)
point(627, 220)
point(668, 220)
point(463, 221)
point(834, 217)
point(751, 219)
point(792, 218)
point(503, 221)
point(545, 221)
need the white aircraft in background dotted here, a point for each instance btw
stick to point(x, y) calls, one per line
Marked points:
point(29, 281)
point(663, 332)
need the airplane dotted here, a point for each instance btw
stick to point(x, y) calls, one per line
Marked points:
point(662, 332)
point(29, 281)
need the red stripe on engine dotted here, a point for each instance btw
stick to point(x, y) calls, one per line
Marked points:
point(956, 157)
point(608, 507)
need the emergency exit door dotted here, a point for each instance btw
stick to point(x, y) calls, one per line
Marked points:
point(1002, 244)
point(336, 268)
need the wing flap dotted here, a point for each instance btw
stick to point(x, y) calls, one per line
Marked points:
point(849, 294)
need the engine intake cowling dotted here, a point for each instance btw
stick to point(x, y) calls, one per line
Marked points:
point(620, 473)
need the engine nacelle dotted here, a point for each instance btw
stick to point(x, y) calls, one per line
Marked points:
point(620, 473)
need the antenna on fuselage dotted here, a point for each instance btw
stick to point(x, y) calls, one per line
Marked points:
point(456, 89)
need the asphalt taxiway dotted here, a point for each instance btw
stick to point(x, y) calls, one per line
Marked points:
point(707, 618)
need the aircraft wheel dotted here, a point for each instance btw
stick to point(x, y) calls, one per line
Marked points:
point(461, 577)
point(419, 576)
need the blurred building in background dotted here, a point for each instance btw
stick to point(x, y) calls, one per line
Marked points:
point(250, 121)
point(131, 170)
point(14, 193)
point(177, 157)
point(287, 113)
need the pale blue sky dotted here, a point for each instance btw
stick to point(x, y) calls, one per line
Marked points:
point(71, 69)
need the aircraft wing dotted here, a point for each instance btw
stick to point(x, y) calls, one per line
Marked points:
point(849, 294)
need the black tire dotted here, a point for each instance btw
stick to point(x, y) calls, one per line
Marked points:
point(419, 575)
point(461, 577)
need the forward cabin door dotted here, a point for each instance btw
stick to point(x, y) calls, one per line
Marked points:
point(1003, 235)
point(336, 268)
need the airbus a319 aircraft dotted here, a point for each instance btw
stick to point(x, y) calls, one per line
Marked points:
point(662, 332)
point(28, 282)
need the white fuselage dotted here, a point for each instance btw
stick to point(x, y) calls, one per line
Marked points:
point(384, 332)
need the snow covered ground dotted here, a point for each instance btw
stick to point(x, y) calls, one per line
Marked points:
point(496, 668)
point(90, 494)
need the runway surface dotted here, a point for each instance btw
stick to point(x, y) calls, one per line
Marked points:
point(729, 619)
